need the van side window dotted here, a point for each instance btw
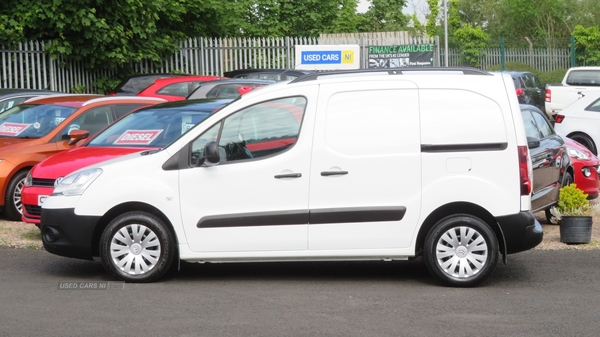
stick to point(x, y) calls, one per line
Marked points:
point(260, 130)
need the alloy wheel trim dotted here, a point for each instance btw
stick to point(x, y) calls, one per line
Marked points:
point(17, 202)
point(461, 252)
point(135, 249)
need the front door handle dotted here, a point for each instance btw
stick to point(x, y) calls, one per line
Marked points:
point(333, 173)
point(288, 175)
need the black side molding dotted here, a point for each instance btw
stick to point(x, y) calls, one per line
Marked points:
point(464, 147)
point(300, 217)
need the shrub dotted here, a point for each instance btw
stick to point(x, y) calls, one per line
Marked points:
point(571, 202)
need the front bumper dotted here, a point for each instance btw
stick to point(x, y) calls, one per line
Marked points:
point(68, 234)
point(589, 184)
point(32, 208)
point(521, 231)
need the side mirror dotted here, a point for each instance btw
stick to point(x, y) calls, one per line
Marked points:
point(211, 154)
point(77, 135)
point(533, 143)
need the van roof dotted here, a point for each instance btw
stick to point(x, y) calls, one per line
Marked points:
point(394, 71)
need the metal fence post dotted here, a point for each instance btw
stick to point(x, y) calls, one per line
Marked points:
point(51, 75)
point(573, 51)
point(502, 56)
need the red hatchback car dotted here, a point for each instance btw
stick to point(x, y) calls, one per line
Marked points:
point(147, 129)
point(585, 168)
point(175, 88)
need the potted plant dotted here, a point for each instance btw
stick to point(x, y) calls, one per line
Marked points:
point(573, 213)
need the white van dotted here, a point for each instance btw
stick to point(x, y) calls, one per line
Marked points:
point(357, 165)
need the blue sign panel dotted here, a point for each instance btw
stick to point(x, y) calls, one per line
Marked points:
point(322, 57)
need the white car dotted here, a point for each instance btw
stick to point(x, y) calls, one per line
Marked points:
point(580, 121)
point(360, 165)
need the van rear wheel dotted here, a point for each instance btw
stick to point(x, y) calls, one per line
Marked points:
point(461, 250)
point(137, 247)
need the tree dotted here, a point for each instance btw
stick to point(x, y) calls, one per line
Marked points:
point(432, 18)
point(587, 45)
point(108, 34)
point(275, 18)
point(347, 20)
point(471, 41)
point(385, 16)
point(582, 12)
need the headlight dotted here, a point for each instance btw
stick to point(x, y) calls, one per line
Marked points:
point(29, 179)
point(76, 183)
point(574, 153)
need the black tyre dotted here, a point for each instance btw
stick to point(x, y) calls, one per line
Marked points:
point(549, 217)
point(567, 179)
point(461, 250)
point(13, 205)
point(585, 141)
point(137, 247)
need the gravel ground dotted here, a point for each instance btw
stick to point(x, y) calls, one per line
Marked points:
point(24, 235)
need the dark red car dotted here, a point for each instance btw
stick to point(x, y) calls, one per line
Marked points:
point(175, 88)
point(585, 167)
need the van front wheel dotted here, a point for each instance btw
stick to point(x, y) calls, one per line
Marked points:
point(137, 247)
point(461, 250)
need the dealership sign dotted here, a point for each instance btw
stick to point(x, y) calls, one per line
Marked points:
point(398, 56)
point(327, 57)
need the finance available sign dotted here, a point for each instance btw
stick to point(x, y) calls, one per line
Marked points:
point(398, 56)
point(327, 57)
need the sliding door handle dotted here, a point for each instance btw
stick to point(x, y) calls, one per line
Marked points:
point(288, 175)
point(333, 173)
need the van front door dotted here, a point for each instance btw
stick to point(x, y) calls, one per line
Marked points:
point(256, 198)
point(365, 180)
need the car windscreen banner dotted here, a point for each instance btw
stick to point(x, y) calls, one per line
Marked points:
point(137, 137)
point(399, 56)
point(12, 129)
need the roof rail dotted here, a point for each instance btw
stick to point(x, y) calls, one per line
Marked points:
point(394, 71)
point(132, 98)
point(38, 98)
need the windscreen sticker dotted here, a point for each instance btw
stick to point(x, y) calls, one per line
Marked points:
point(12, 129)
point(137, 137)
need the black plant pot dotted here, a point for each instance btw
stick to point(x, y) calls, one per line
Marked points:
point(576, 229)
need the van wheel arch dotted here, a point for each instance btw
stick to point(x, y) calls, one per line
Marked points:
point(125, 208)
point(454, 209)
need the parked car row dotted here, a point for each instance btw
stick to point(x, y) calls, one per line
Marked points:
point(42, 126)
point(147, 129)
point(175, 87)
point(36, 124)
point(579, 147)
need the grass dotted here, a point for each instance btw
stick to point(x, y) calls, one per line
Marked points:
point(18, 234)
